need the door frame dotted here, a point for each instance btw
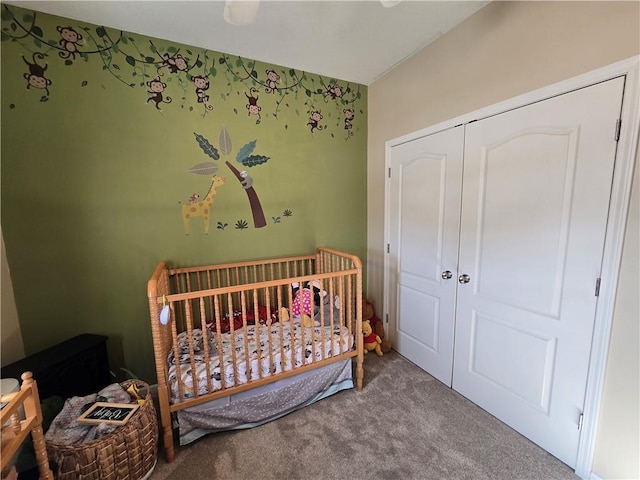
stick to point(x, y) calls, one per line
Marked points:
point(618, 208)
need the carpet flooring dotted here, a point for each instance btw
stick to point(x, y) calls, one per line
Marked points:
point(403, 425)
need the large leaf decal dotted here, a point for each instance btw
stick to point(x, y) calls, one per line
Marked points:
point(204, 168)
point(207, 147)
point(253, 160)
point(245, 151)
point(224, 141)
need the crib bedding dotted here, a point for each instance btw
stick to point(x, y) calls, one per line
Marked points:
point(263, 404)
point(272, 349)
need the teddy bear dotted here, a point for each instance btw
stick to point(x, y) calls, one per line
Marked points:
point(376, 324)
point(371, 340)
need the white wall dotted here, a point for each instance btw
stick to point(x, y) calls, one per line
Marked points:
point(618, 429)
point(505, 50)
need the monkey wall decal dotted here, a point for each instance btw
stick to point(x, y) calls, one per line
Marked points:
point(272, 81)
point(175, 63)
point(348, 116)
point(314, 119)
point(252, 107)
point(334, 90)
point(35, 78)
point(157, 86)
point(69, 41)
point(202, 85)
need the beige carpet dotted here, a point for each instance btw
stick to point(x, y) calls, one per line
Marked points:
point(403, 425)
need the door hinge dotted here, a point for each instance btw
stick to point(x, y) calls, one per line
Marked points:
point(388, 248)
point(580, 421)
point(597, 287)
point(618, 127)
point(389, 172)
point(387, 318)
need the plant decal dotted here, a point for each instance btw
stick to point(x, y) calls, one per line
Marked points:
point(244, 157)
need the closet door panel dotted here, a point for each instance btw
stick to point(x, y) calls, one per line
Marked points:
point(536, 192)
point(529, 176)
point(424, 198)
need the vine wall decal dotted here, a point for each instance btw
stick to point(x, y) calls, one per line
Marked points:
point(183, 77)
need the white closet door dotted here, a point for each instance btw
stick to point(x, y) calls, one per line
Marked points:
point(424, 197)
point(537, 182)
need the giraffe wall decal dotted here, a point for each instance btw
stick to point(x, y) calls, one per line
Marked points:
point(201, 208)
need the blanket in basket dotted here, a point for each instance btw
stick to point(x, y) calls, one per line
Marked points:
point(66, 431)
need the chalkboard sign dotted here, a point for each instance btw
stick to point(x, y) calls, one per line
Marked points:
point(111, 413)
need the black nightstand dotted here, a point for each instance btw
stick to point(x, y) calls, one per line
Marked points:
point(75, 367)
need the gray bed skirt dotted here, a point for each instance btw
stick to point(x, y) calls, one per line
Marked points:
point(263, 404)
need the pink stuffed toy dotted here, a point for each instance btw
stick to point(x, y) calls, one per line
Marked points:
point(305, 300)
point(307, 303)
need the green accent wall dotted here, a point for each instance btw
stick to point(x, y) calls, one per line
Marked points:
point(95, 177)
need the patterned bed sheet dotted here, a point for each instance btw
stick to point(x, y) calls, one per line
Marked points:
point(308, 348)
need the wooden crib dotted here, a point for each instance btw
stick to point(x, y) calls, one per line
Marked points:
point(21, 417)
point(223, 329)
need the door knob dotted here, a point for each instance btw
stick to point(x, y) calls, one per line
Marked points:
point(446, 275)
point(464, 278)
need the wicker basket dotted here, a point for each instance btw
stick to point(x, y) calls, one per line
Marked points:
point(129, 452)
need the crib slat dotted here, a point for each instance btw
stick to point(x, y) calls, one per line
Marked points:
point(205, 340)
point(313, 329)
point(221, 359)
point(194, 375)
point(332, 320)
point(188, 280)
point(258, 330)
point(247, 358)
point(199, 280)
point(209, 287)
point(342, 318)
point(294, 350)
point(232, 330)
point(269, 321)
point(176, 353)
point(281, 329)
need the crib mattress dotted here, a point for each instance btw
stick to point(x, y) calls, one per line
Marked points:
point(299, 345)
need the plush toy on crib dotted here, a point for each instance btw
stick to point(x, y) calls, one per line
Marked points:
point(305, 302)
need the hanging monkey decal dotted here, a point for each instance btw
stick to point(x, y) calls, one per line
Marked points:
point(252, 107)
point(157, 86)
point(35, 78)
point(69, 41)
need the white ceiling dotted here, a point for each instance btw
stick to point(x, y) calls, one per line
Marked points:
point(357, 41)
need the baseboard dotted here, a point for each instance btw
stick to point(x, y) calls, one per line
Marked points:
point(593, 476)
